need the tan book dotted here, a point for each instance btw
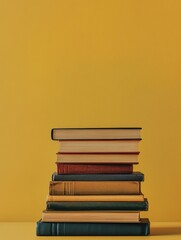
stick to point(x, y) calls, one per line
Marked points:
point(95, 133)
point(90, 216)
point(97, 158)
point(94, 187)
point(96, 146)
point(96, 198)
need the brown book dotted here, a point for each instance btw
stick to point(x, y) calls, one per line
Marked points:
point(96, 198)
point(98, 157)
point(94, 187)
point(78, 168)
point(99, 146)
point(90, 216)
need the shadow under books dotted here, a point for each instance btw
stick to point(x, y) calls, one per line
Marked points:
point(158, 231)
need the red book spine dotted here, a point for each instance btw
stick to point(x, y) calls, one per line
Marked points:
point(76, 168)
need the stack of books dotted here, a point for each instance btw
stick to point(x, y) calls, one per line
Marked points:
point(95, 191)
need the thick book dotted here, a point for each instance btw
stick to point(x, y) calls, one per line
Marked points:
point(74, 206)
point(99, 146)
point(90, 216)
point(86, 169)
point(94, 187)
point(141, 228)
point(103, 158)
point(135, 176)
point(95, 133)
point(95, 198)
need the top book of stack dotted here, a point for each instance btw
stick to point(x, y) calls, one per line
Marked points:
point(95, 133)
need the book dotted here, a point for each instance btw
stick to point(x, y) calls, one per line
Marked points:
point(141, 228)
point(73, 206)
point(95, 133)
point(92, 168)
point(94, 187)
point(135, 176)
point(96, 146)
point(117, 158)
point(96, 198)
point(90, 216)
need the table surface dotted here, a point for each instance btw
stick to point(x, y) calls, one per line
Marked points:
point(26, 231)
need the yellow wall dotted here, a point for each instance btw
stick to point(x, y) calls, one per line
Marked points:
point(96, 63)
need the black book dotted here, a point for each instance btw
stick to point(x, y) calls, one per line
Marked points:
point(136, 176)
point(141, 228)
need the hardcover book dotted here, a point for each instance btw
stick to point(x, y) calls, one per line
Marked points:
point(94, 188)
point(141, 228)
point(74, 206)
point(95, 198)
point(135, 176)
point(90, 216)
point(103, 158)
point(92, 168)
point(99, 146)
point(95, 133)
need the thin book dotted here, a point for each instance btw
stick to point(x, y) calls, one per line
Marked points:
point(95, 133)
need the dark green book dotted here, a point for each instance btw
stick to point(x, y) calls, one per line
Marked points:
point(136, 176)
point(77, 206)
point(141, 228)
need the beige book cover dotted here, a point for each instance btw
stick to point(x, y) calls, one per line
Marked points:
point(99, 146)
point(95, 133)
point(94, 187)
point(98, 158)
point(91, 216)
point(96, 198)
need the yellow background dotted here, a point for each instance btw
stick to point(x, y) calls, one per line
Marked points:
point(88, 63)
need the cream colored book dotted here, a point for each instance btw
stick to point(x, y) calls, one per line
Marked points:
point(97, 158)
point(98, 146)
point(96, 198)
point(91, 216)
point(94, 187)
point(95, 133)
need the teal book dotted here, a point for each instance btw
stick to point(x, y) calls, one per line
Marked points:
point(135, 176)
point(79, 206)
point(141, 228)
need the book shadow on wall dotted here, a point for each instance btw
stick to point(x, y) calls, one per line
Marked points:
point(158, 231)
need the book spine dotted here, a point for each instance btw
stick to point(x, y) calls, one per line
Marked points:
point(94, 188)
point(93, 168)
point(52, 134)
point(92, 229)
point(136, 176)
point(79, 206)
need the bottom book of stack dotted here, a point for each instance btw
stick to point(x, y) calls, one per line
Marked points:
point(108, 228)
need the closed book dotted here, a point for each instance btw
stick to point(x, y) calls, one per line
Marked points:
point(90, 216)
point(141, 228)
point(74, 206)
point(94, 187)
point(96, 146)
point(95, 198)
point(97, 158)
point(95, 133)
point(78, 168)
point(135, 176)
